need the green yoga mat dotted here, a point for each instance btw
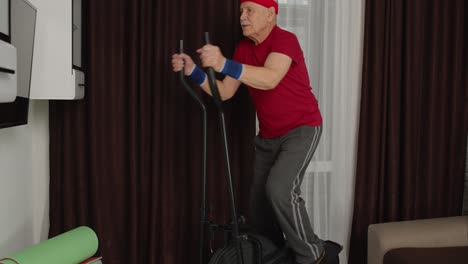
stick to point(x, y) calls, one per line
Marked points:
point(71, 247)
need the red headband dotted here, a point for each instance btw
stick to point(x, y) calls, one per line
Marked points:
point(265, 3)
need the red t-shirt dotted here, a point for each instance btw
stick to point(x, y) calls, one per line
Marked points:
point(290, 104)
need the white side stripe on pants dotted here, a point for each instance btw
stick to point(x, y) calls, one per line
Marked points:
point(295, 198)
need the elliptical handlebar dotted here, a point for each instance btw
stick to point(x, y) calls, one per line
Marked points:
point(217, 99)
point(187, 87)
point(232, 204)
point(212, 79)
point(203, 217)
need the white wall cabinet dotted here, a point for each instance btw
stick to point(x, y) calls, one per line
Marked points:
point(4, 17)
point(8, 87)
point(53, 74)
point(8, 79)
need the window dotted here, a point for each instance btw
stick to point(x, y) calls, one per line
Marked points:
point(331, 36)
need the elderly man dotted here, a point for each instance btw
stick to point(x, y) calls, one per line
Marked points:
point(270, 61)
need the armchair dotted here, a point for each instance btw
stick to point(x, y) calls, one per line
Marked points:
point(437, 240)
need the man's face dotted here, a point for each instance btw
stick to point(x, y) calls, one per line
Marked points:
point(254, 20)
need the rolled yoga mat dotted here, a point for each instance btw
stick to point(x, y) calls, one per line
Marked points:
point(71, 247)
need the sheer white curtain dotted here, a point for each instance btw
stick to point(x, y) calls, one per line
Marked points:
point(331, 35)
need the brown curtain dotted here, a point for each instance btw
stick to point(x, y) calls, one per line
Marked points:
point(414, 114)
point(126, 160)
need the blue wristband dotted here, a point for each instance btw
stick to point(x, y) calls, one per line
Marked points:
point(198, 75)
point(233, 69)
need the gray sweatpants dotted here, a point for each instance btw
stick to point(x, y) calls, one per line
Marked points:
point(276, 206)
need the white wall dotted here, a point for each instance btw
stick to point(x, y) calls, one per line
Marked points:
point(24, 150)
point(24, 181)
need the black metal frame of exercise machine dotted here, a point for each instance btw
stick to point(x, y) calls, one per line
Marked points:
point(203, 218)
